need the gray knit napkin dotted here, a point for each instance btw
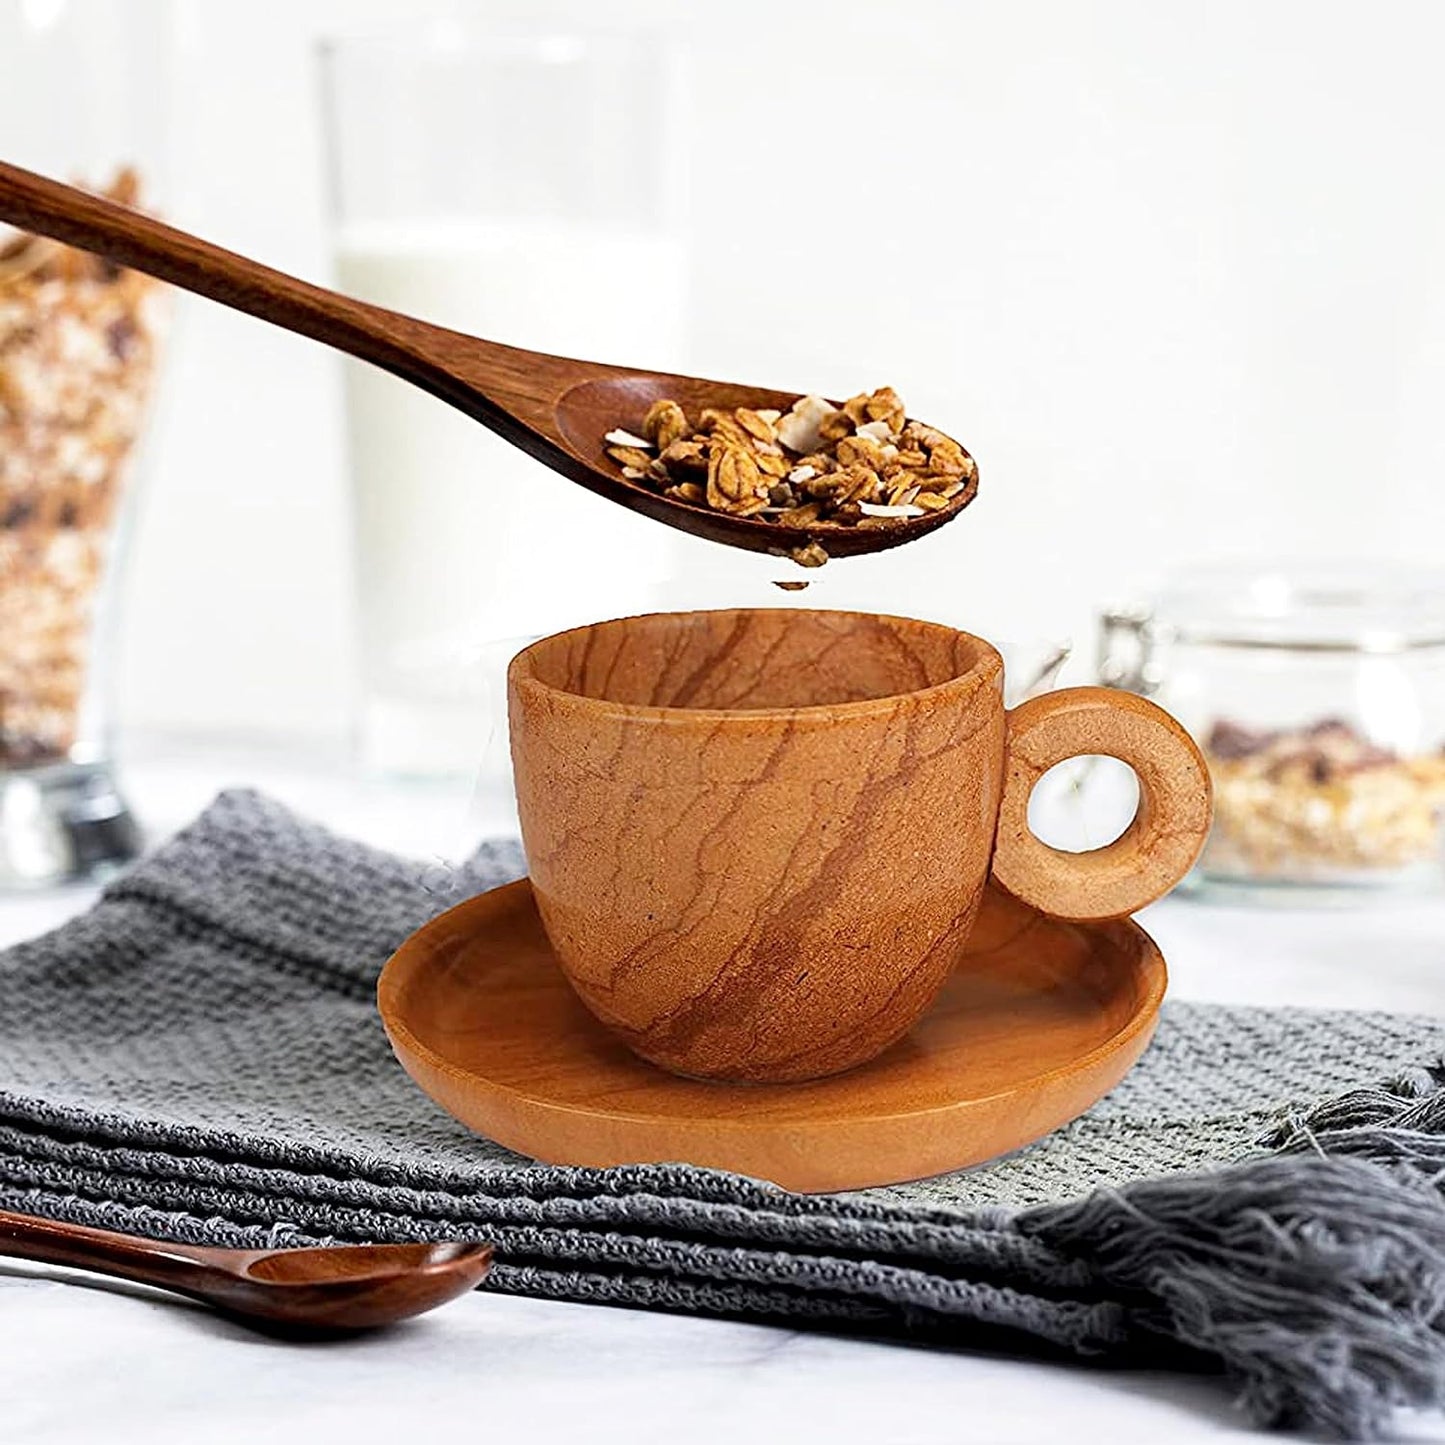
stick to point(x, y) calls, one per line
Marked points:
point(199, 1058)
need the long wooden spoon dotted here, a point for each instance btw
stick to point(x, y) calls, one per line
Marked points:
point(348, 1287)
point(554, 409)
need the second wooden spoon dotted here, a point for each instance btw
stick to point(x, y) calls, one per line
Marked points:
point(555, 409)
point(316, 1291)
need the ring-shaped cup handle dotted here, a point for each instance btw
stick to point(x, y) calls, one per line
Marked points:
point(1156, 850)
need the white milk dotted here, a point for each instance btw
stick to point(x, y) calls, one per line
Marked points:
point(462, 540)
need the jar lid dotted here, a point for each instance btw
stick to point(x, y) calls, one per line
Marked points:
point(1343, 607)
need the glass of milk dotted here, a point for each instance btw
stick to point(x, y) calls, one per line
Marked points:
point(523, 187)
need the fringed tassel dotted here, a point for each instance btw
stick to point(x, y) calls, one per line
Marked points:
point(1316, 1276)
point(1399, 1121)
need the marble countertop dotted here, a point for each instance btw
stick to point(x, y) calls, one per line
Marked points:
point(123, 1365)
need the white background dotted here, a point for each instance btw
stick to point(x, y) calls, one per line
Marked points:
point(1175, 273)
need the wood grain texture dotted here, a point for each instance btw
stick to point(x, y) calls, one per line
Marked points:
point(555, 409)
point(1037, 1019)
point(758, 838)
point(325, 1291)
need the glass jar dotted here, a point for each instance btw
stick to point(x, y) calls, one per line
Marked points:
point(80, 342)
point(1318, 697)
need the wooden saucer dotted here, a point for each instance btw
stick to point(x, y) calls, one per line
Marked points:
point(1039, 1019)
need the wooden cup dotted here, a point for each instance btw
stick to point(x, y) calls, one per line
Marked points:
point(758, 838)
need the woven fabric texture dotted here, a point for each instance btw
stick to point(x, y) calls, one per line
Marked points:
point(199, 1057)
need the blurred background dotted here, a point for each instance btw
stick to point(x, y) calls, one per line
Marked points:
point(1174, 275)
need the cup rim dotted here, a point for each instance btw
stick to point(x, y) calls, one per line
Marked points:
point(989, 665)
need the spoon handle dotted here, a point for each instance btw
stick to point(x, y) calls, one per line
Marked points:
point(122, 1256)
point(131, 238)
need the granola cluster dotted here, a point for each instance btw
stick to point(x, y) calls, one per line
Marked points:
point(863, 464)
point(1318, 802)
point(78, 345)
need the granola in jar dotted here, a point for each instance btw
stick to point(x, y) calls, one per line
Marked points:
point(79, 339)
point(1320, 801)
point(1317, 692)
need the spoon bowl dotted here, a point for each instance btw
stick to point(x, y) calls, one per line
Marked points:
point(587, 411)
point(351, 1262)
point(556, 409)
point(355, 1286)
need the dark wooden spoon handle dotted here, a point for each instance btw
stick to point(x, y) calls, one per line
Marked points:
point(123, 1256)
point(414, 350)
point(134, 239)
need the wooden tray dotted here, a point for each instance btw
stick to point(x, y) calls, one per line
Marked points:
point(1039, 1020)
